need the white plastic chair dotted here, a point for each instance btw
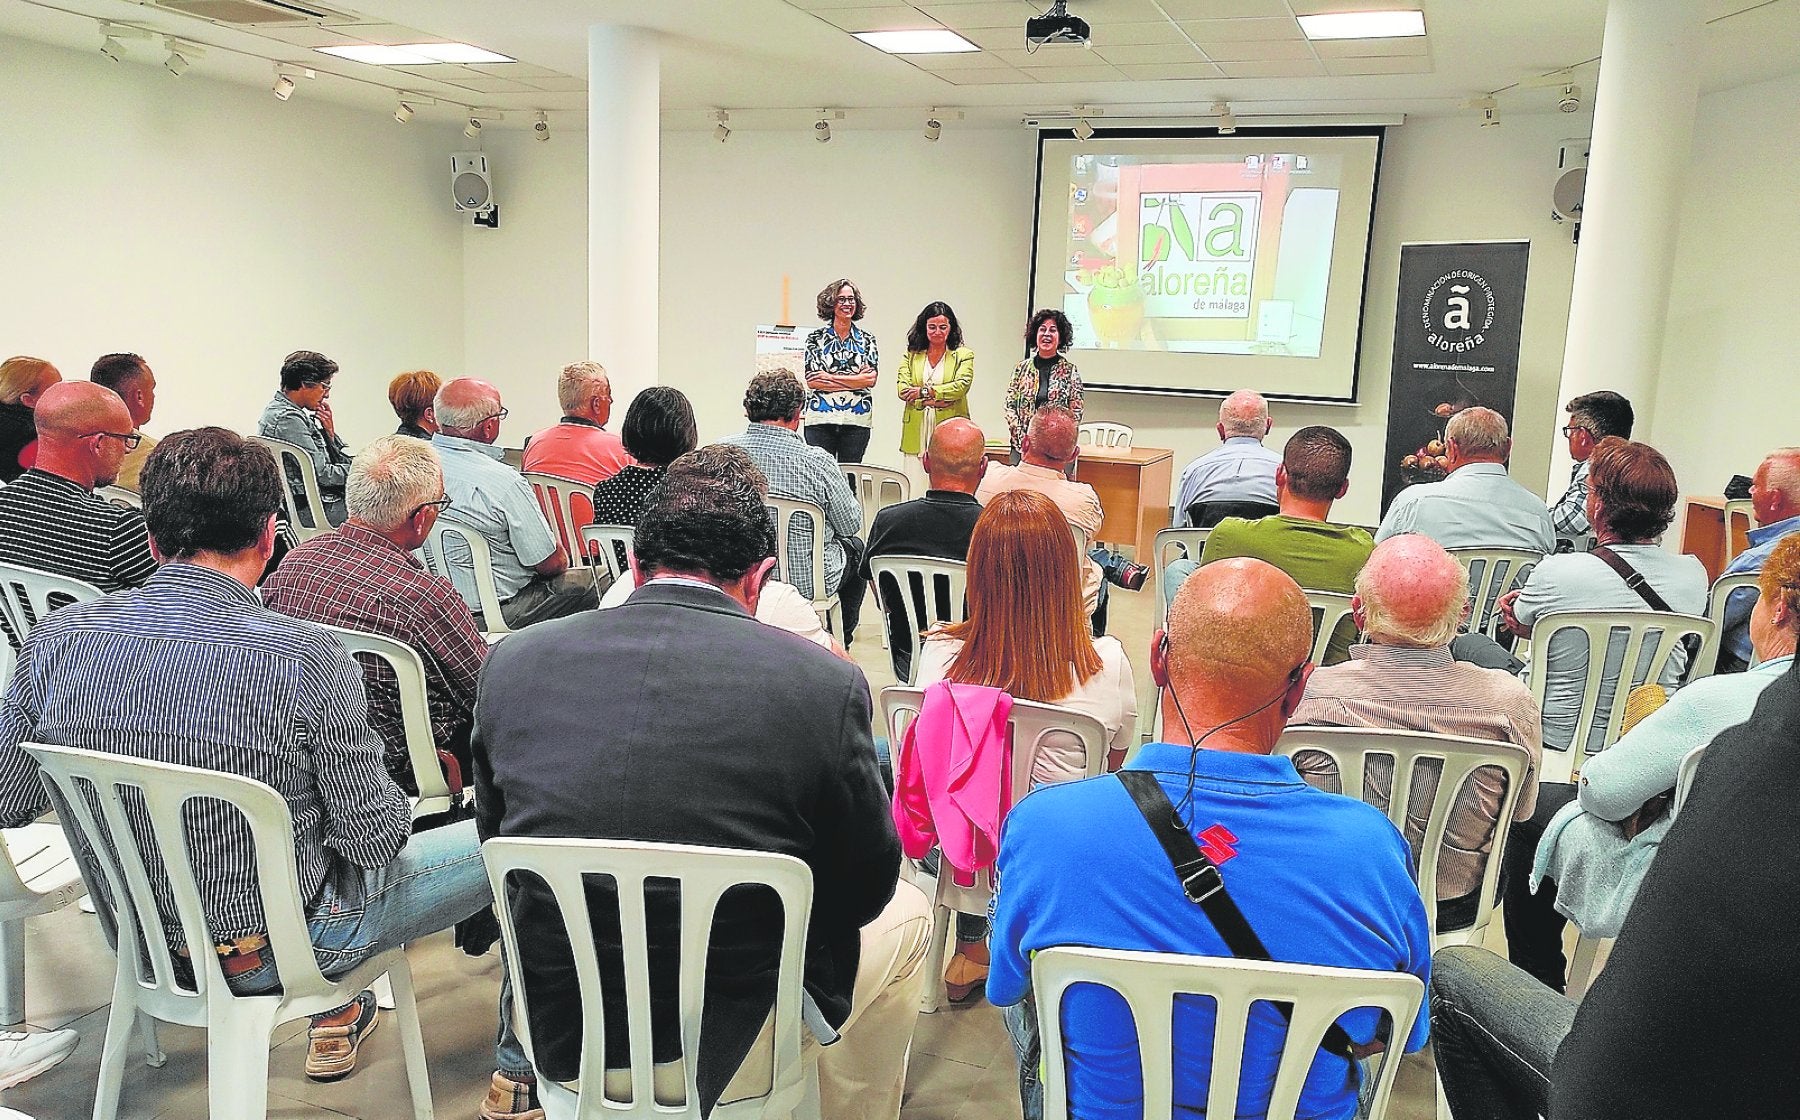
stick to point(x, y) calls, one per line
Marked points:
point(27, 595)
point(434, 794)
point(1643, 660)
point(287, 454)
point(1104, 433)
point(876, 488)
point(1163, 554)
point(1735, 510)
point(1459, 758)
point(608, 548)
point(1329, 608)
point(1029, 726)
point(785, 511)
point(556, 497)
point(1150, 982)
point(924, 587)
point(119, 496)
point(476, 565)
point(703, 875)
point(38, 875)
point(1684, 778)
point(238, 1027)
point(1492, 573)
point(1708, 661)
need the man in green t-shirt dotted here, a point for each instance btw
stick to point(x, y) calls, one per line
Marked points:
point(1314, 472)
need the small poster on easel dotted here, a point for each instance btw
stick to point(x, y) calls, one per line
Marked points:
point(781, 345)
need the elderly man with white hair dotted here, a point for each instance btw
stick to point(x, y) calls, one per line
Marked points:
point(578, 446)
point(1478, 505)
point(1410, 599)
point(1775, 503)
point(1242, 470)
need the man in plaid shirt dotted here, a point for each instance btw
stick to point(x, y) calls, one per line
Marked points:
point(1592, 417)
point(363, 576)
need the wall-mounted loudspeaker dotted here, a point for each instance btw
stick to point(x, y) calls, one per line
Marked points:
point(470, 187)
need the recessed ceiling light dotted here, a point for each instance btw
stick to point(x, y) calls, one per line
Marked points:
point(412, 54)
point(1363, 25)
point(936, 40)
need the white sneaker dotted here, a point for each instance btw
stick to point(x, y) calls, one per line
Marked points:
point(24, 1056)
point(11, 1114)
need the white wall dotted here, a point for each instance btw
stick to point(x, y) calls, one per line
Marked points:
point(213, 229)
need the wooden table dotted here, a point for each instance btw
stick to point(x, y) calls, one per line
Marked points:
point(1703, 532)
point(1134, 486)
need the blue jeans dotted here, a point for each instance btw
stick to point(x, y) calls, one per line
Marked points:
point(436, 881)
point(1172, 576)
point(1022, 1025)
point(1496, 1032)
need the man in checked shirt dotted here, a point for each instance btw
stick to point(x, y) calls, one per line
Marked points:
point(192, 669)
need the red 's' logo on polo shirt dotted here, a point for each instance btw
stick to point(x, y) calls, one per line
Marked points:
point(1216, 841)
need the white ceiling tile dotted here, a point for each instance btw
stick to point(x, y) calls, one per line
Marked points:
point(560, 84)
point(893, 17)
point(968, 60)
point(1206, 31)
point(1283, 69)
point(821, 5)
point(1006, 77)
point(993, 13)
point(1049, 58)
point(1098, 72)
point(514, 70)
point(307, 35)
point(1316, 7)
point(1193, 71)
point(1160, 33)
point(1225, 9)
point(494, 85)
point(1349, 67)
point(1408, 46)
point(1283, 51)
point(1139, 55)
point(994, 38)
point(1101, 13)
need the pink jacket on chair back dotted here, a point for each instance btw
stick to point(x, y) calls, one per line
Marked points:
point(953, 776)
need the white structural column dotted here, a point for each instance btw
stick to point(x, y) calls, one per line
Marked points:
point(1643, 130)
point(624, 220)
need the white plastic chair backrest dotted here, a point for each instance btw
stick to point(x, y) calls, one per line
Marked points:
point(786, 511)
point(1030, 725)
point(1104, 433)
point(1737, 510)
point(288, 454)
point(1458, 759)
point(924, 592)
point(119, 496)
point(84, 781)
point(415, 713)
point(480, 569)
point(1329, 608)
point(1684, 778)
point(703, 875)
point(1163, 552)
point(1492, 573)
point(876, 488)
point(1643, 660)
point(1708, 661)
point(1149, 984)
point(27, 595)
point(556, 496)
point(610, 547)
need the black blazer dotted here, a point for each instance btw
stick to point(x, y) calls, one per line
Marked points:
point(677, 717)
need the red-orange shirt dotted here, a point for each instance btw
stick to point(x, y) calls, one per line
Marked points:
point(576, 449)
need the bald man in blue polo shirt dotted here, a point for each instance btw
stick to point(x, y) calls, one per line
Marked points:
point(1323, 879)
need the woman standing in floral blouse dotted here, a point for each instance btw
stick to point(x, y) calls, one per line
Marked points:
point(841, 359)
point(1045, 377)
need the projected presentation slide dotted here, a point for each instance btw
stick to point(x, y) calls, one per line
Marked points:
point(1206, 264)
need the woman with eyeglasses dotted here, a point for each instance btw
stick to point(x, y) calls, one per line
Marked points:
point(300, 414)
point(841, 360)
point(22, 381)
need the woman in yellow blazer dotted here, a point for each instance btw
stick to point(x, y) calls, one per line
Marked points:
point(933, 379)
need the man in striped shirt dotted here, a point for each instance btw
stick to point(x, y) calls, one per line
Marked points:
point(219, 681)
point(50, 518)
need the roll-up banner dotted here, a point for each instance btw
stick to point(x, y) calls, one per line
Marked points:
point(1456, 345)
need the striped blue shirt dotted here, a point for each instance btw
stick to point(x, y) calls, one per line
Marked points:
point(192, 669)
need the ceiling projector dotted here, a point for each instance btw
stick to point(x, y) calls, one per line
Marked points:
point(1056, 26)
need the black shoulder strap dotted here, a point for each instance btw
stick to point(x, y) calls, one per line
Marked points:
point(1633, 579)
point(1205, 887)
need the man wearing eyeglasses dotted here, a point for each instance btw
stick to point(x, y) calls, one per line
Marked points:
point(50, 517)
point(1592, 417)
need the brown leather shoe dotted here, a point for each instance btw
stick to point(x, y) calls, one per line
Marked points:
point(965, 977)
point(333, 1039)
point(511, 1100)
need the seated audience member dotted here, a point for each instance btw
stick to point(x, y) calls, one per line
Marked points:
point(1595, 851)
point(1693, 1015)
point(1314, 472)
point(221, 682)
point(300, 414)
point(22, 381)
point(1027, 634)
point(1242, 469)
point(414, 396)
point(50, 518)
point(798, 471)
point(659, 428)
point(363, 576)
point(779, 605)
point(531, 571)
point(1322, 879)
point(1478, 505)
point(578, 447)
point(1592, 417)
point(1410, 599)
point(936, 525)
point(130, 376)
point(1775, 503)
point(722, 732)
point(1631, 500)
